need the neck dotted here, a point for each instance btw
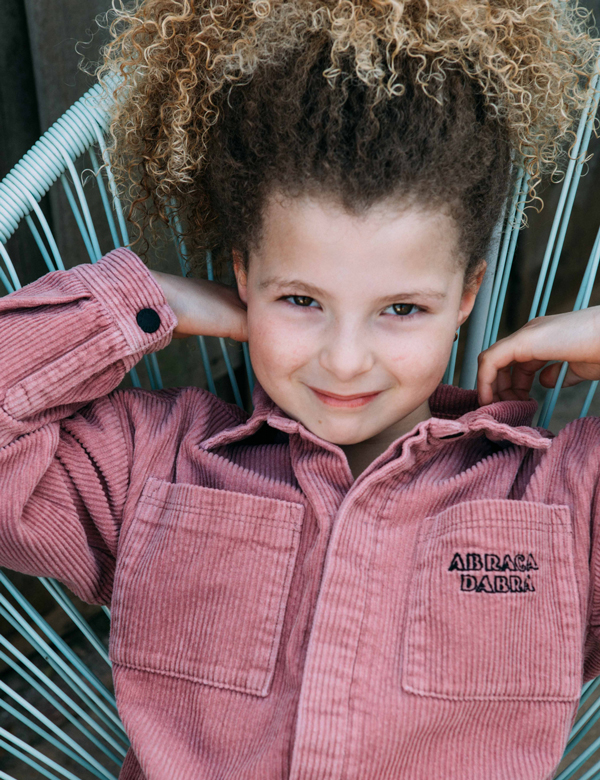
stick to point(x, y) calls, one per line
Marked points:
point(363, 453)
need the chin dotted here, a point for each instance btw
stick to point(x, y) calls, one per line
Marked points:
point(339, 437)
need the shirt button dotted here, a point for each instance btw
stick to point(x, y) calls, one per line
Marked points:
point(148, 320)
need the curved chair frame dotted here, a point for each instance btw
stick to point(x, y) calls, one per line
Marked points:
point(81, 697)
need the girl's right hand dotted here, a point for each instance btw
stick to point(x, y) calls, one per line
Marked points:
point(203, 308)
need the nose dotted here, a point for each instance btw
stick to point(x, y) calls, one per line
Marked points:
point(346, 352)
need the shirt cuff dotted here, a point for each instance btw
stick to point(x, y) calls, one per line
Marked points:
point(127, 291)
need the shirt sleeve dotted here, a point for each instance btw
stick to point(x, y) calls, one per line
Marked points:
point(66, 341)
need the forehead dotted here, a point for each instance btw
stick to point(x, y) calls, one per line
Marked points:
point(386, 243)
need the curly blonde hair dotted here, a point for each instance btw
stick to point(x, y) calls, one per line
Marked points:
point(218, 102)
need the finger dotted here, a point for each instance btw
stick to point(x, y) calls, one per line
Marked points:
point(514, 381)
point(510, 351)
point(486, 381)
point(491, 361)
point(549, 376)
point(584, 371)
point(504, 385)
point(572, 378)
point(521, 379)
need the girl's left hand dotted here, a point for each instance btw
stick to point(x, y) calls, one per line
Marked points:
point(507, 369)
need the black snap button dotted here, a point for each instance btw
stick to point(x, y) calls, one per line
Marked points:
point(148, 320)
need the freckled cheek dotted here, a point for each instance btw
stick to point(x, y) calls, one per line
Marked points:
point(420, 356)
point(277, 346)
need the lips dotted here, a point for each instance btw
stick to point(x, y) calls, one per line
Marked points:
point(345, 401)
point(345, 397)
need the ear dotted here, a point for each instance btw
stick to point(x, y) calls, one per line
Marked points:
point(470, 293)
point(241, 274)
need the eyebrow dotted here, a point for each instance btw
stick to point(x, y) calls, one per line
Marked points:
point(280, 283)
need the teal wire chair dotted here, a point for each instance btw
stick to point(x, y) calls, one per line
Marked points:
point(69, 686)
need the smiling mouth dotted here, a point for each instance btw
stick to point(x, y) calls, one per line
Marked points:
point(345, 401)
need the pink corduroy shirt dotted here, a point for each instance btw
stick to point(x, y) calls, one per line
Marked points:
point(272, 618)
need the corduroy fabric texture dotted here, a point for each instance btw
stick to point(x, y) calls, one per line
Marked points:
point(274, 619)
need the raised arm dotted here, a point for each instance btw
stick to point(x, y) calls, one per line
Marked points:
point(507, 369)
point(66, 341)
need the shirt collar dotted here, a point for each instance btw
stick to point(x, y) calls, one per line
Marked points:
point(455, 412)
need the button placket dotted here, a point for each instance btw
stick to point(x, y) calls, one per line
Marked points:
point(320, 741)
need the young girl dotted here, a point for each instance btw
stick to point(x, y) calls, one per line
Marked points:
point(373, 576)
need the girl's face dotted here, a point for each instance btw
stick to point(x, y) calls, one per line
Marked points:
point(351, 319)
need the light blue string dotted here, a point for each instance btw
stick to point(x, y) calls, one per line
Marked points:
point(57, 641)
point(587, 689)
point(583, 299)
point(58, 262)
point(569, 771)
point(27, 760)
point(3, 277)
point(91, 230)
point(249, 369)
point(59, 694)
point(104, 197)
point(14, 283)
point(509, 262)
point(68, 675)
point(588, 399)
point(34, 206)
point(586, 117)
point(82, 229)
point(23, 746)
point(583, 725)
point(62, 600)
point(511, 224)
point(118, 209)
point(41, 246)
point(72, 749)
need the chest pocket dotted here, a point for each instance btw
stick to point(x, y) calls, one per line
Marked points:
point(202, 583)
point(493, 610)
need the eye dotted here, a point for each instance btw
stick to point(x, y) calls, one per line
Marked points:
point(402, 309)
point(301, 300)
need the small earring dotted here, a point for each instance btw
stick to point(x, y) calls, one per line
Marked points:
point(455, 335)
